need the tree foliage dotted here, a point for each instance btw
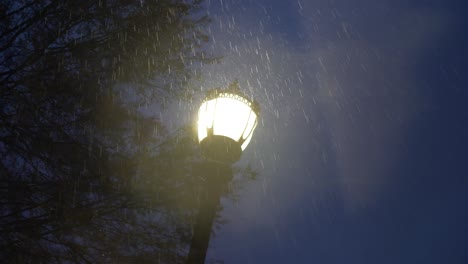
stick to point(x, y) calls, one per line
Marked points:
point(73, 139)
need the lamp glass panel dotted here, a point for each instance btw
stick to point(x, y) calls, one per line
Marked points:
point(247, 140)
point(230, 118)
point(205, 118)
point(202, 133)
point(250, 125)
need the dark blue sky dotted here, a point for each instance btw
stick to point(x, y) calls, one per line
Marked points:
point(362, 145)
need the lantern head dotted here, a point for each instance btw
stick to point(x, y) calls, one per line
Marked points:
point(226, 121)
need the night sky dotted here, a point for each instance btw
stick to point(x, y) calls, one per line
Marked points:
point(361, 146)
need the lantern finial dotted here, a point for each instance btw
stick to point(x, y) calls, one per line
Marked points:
point(234, 86)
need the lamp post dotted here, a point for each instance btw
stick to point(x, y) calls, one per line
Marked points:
point(226, 121)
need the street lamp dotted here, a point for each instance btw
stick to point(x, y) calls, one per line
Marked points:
point(226, 121)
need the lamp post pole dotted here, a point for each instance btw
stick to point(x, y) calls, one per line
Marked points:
point(218, 176)
point(226, 121)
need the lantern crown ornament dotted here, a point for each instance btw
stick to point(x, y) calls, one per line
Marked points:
point(226, 121)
